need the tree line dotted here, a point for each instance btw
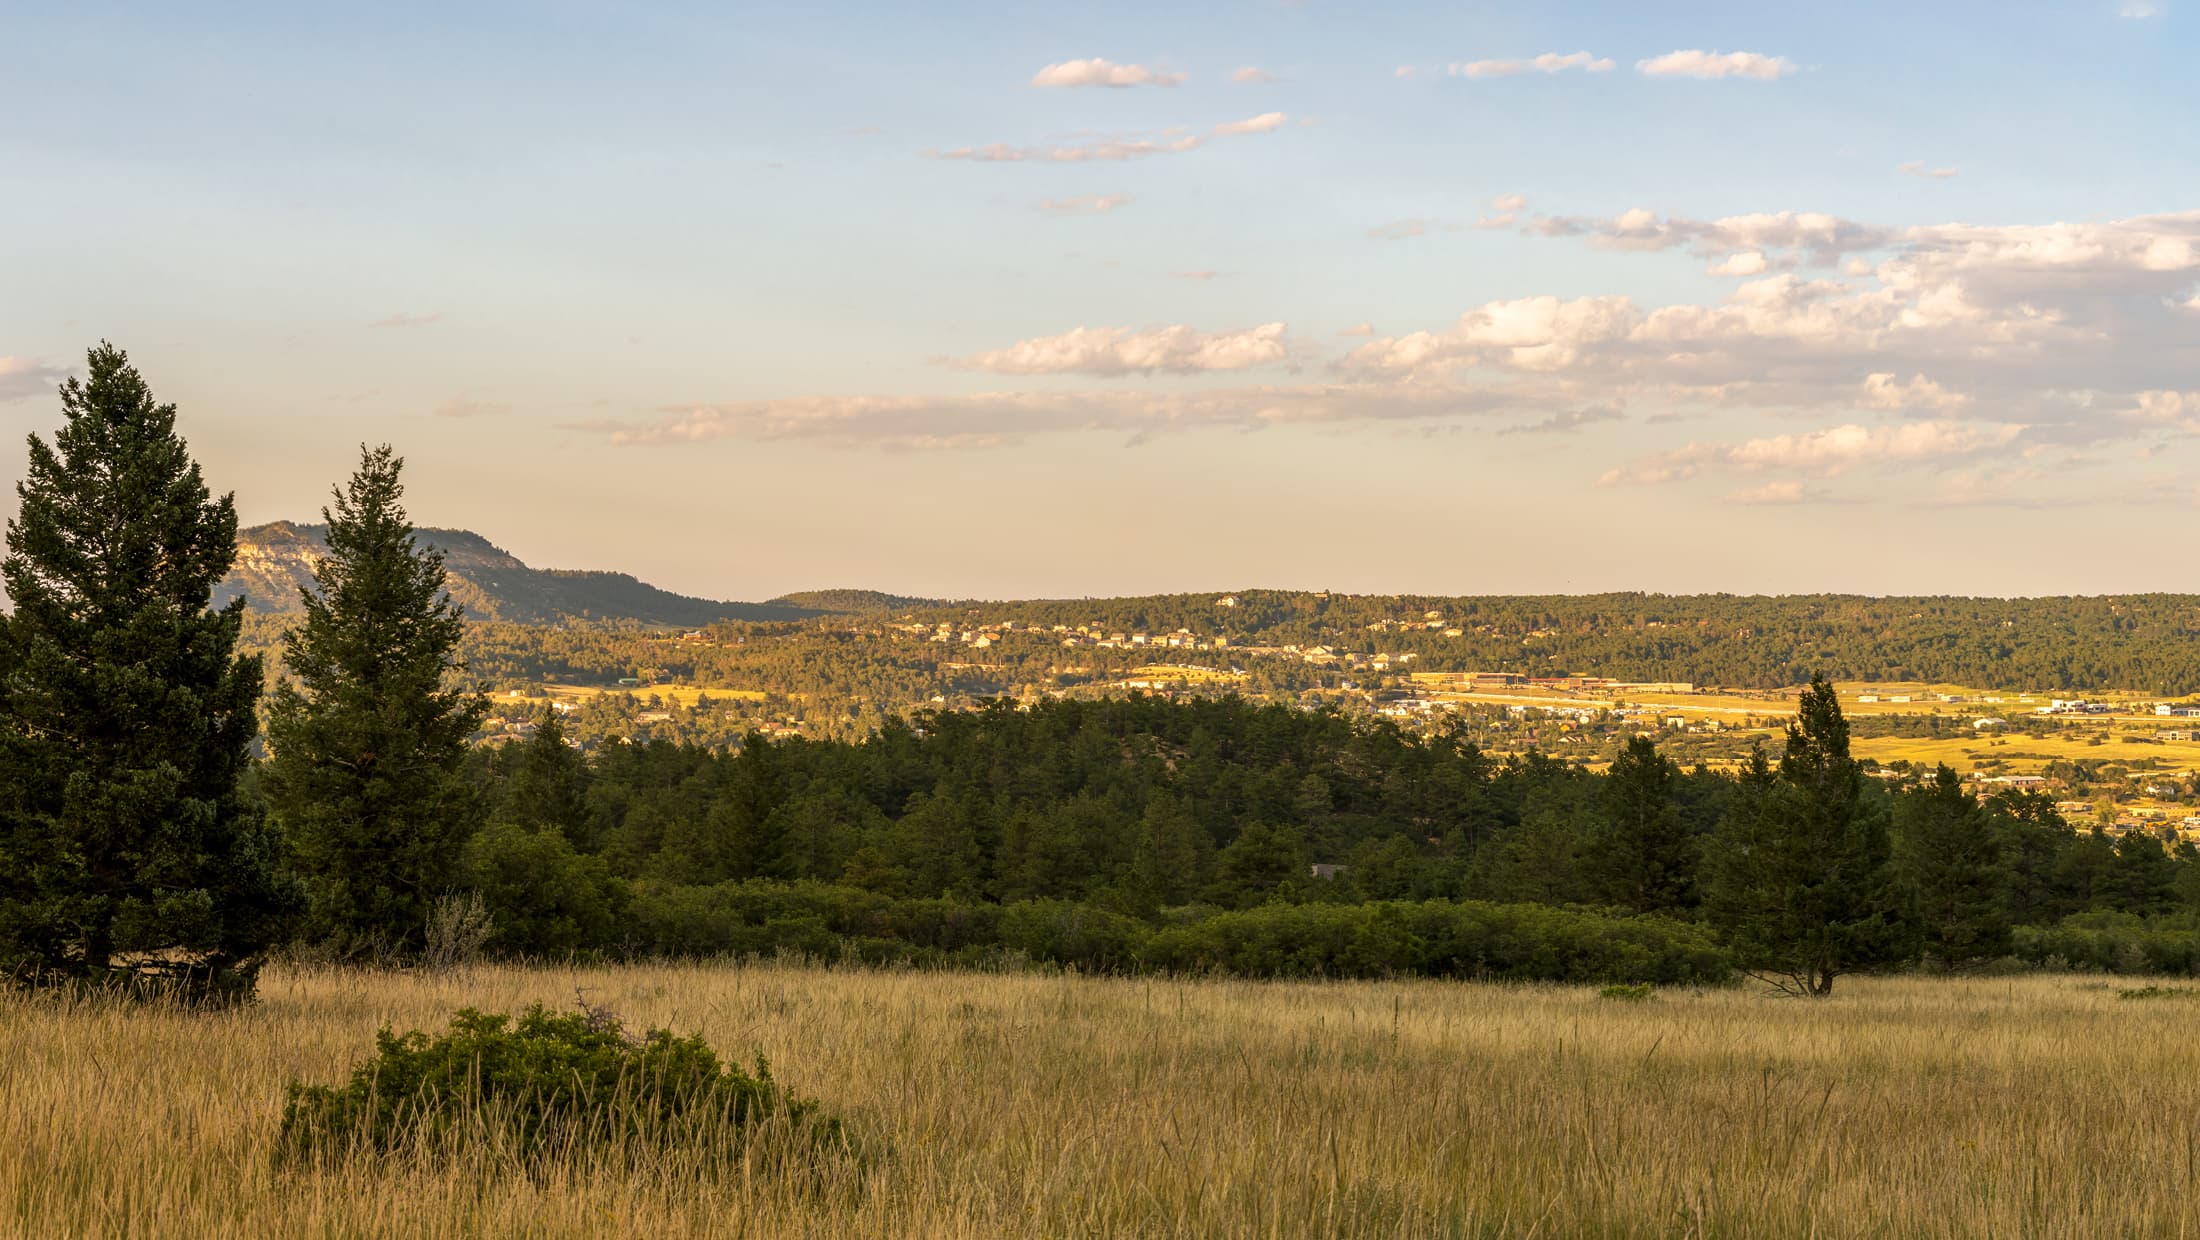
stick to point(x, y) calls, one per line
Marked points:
point(149, 831)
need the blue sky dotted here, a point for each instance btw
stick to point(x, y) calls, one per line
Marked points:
point(747, 299)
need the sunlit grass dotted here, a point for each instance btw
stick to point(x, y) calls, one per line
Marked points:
point(1035, 1105)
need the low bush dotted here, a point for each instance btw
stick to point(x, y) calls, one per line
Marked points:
point(544, 1085)
point(1441, 938)
point(2123, 943)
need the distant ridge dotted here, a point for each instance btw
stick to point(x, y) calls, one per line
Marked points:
point(275, 560)
point(849, 602)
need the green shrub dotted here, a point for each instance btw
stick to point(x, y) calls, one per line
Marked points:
point(2107, 942)
point(2159, 992)
point(545, 1085)
point(1440, 938)
point(1629, 992)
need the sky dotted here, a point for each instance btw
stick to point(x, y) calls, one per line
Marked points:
point(1046, 299)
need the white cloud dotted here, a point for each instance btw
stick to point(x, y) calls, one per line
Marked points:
point(467, 405)
point(1829, 452)
point(1548, 62)
point(1917, 168)
point(1117, 351)
point(1532, 333)
point(2141, 10)
point(1509, 202)
point(1110, 148)
point(1399, 230)
point(21, 378)
point(1098, 72)
point(1084, 204)
point(1266, 122)
point(1746, 263)
point(1701, 64)
point(1567, 421)
point(1883, 391)
point(1252, 75)
point(1789, 491)
point(2165, 409)
point(409, 320)
point(1403, 71)
point(991, 419)
point(1358, 329)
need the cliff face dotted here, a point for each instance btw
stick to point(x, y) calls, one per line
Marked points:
point(276, 561)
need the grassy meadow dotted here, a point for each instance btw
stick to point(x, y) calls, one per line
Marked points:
point(1009, 1105)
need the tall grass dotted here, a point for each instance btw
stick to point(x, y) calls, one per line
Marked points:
point(1034, 1105)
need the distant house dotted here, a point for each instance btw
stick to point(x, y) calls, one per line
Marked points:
point(1326, 872)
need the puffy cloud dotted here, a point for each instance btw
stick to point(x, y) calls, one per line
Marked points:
point(1509, 202)
point(1116, 351)
point(1532, 333)
point(1746, 263)
point(1829, 452)
point(1883, 391)
point(1403, 71)
point(1701, 64)
point(409, 320)
point(1548, 62)
point(1917, 168)
point(1098, 72)
point(20, 378)
point(1266, 122)
point(1084, 204)
point(1567, 421)
point(1252, 75)
point(2165, 409)
point(1357, 329)
point(1823, 237)
point(2141, 10)
point(1111, 148)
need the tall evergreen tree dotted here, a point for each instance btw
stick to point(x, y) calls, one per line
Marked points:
point(1950, 858)
point(1801, 878)
point(369, 736)
point(546, 783)
point(126, 844)
point(1648, 853)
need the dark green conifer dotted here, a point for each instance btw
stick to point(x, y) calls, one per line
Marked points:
point(127, 847)
point(368, 730)
point(1801, 878)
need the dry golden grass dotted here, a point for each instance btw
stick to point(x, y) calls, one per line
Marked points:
point(1032, 1105)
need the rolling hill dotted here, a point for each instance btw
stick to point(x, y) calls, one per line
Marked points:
point(274, 560)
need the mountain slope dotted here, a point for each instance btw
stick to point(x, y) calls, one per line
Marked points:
point(851, 602)
point(275, 560)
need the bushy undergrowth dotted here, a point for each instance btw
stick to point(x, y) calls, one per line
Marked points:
point(2112, 943)
point(545, 1085)
point(1467, 939)
point(1439, 938)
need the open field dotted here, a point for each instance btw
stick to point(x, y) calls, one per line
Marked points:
point(1034, 1105)
point(670, 695)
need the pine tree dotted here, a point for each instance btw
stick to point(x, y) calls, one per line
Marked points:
point(1801, 880)
point(369, 737)
point(546, 783)
point(127, 846)
point(1647, 851)
point(1950, 858)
